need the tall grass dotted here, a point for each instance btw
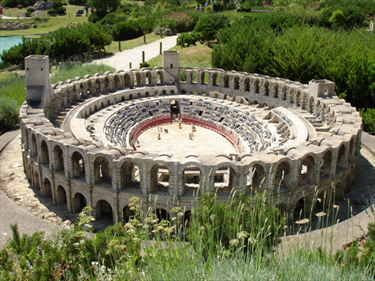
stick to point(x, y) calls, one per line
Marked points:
point(118, 254)
point(77, 69)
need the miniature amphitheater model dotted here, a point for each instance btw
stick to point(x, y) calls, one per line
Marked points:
point(103, 139)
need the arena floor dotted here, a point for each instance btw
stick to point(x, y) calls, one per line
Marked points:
point(177, 142)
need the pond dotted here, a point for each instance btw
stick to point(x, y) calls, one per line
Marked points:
point(7, 42)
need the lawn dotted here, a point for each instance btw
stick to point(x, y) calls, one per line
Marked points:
point(194, 56)
point(42, 27)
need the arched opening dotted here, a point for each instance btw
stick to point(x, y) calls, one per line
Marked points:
point(36, 180)
point(47, 188)
point(162, 215)
point(256, 86)
point(138, 95)
point(130, 96)
point(215, 79)
point(204, 78)
point(183, 76)
point(283, 94)
point(97, 83)
point(282, 175)
point(298, 99)
point(236, 82)
point(78, 165)
point(255, 178)
point(59, 158)
point(306, 170)
point(304, 102)
point(339, 191)
point(224, 179)
point(340, 165)
point(247, 84)
point(266, 89)
point(174, 107)
point(159, 78)
point(61, 195)
point(108, 103)
point(186, 219)
point(137, 79)
point(130, 177)
point(194, 77)
point(291, 96)
point(116, 80)
point(191, 179)
point(300, 210)
point(103, 211)
point(106, 84)
point(159, 180)
point(147, 94)
point(45, 153)
point(102, 172)
point(183, 92)
point(311, 105)
point(325, 168)
point(126, 214)
point(79, 202)
point(276, 91)
point(351, 150)
point(348, 183)
point(254, 103)
point(322, 201)
point(34, 147)
point(226, 81)
point(127, 80)
point(164, 92)
point(26, 140)
point(148, 78)
point(102, 104)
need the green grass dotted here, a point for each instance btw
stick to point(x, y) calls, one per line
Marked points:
point(12, 87)
point(43, 27)
point(193, 56)
point(130, 44)
point(79, 70)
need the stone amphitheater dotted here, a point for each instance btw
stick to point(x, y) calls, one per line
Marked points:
point(167, 134)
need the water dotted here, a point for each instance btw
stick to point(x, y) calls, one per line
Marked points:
point(7, 42)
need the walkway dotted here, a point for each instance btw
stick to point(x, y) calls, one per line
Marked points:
point(122, 59)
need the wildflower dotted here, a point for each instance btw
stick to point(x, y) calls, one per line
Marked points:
point(242, 235)
point(234, 242)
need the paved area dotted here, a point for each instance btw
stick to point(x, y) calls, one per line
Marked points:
point(122, 59)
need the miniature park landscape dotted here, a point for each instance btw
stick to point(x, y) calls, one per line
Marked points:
point(210, 161)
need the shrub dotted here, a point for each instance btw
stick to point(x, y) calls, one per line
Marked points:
point(188, 39)
point(144, 64)
point(182, 22)
point(113, 18)
point(209, 25)
point(126, 30)
point(52, 12)
point(218, 6)
point(9, 111)
point(19, 6)
point(31, 9)
point(368, 119)
point(64, 3)
point(27, 14)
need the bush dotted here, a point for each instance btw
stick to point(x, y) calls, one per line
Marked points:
point(144, 64)
point(52, 12)
point(19, 6)
point(182, 22)
point(209, 25)
point(218, 7)
point(368, 119)
point(9, 111)
point(27, 14)
point(113, 18)
point(64, 3)
point(31, 9)
point(188, 39)
point(77, 2)
point(126, 30)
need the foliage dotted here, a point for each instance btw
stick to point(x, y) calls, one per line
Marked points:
point(187, 39)
point(63, 44)
point(368, 119)
point(16, 3)
point(77, 2)
point(108, 5)
point(209, 25)
point(182, 22)
point(30, 9)
point(126, 30)
point(245, 222)
point(9, 111)
point(78, 70)
point(113, 18)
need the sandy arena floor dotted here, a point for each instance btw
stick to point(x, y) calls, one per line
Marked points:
point(177, 142)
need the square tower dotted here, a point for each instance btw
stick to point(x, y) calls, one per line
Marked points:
point(37, 77)
point(171, 66)
point(321, 88)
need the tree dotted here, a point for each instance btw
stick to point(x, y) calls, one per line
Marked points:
point(107, 6)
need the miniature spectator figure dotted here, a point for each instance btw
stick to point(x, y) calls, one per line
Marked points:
point(197, 7)
point(87, 10)
point(92, 10)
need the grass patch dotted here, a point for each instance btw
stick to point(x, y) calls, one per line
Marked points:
point(12, 87)
point(193, 56)
point(78, 70)
point(43, 27)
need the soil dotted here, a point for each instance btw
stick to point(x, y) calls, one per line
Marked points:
point(15, 185)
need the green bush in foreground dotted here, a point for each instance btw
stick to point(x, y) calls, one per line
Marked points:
point(9, 110)
point(368, 119)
